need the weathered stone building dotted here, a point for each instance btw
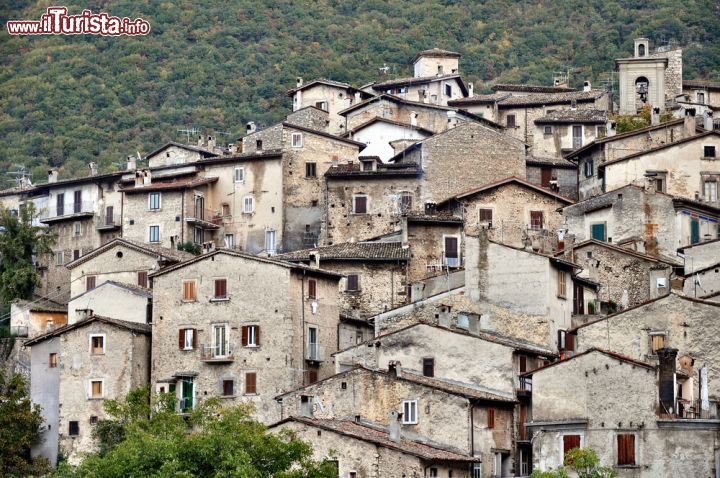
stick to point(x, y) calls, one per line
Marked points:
point(385, 138)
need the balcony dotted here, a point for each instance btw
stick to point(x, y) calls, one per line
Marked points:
point(108, 222)
point(524, 387)
point(19, 330)
point(314, 353)
point(218, 353)
point(72, 210)
point(201, 217)
point(692, 410)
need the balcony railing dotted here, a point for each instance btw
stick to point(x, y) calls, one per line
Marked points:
point(109, 221)
point(315, 353)
point(451, 261)
point(222, 352)
point(59, 211)
point(203, 217)
point(19, 330)
point(525, 384)
point(185, 405)
point(692, 410)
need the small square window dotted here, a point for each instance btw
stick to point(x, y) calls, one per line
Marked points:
point(657, 342)
point(97, 344)
point(360, 204)
point(228, 388)
point(410, 412)
point(548, 129)
point(310, 170)
point(73, 428)
point(709, 151)
point(297, 140)
point(189, 291)
point(96, 389)
point(510, 121)
point(76, 254)
point(353, 282)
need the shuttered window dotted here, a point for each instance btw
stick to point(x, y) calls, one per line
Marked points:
point(228, 387)
point(510, 121)
point(486, 215)
point(89, 282)
point(626, 449)
point(189, 290)
point(250, 382)
point(360, 204)
point(523, 364)
point(353, 282)
point(96, 389)
point(187, 339)
point(570, 442)
point(491, 418)
point(250, 335)
point(536, 220)
point(429, 367)
point(143, 279)
point(312, 289)
point(221, 288)
point(657, 342)
point(561, 284)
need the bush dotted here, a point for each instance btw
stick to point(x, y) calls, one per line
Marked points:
point(190, 247)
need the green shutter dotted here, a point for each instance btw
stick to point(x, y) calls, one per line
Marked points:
point(598, 232)
point(694, 231)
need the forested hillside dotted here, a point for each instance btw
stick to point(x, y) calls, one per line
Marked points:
point(215, 64)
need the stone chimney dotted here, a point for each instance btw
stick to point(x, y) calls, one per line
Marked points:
point(404, 242)
point(666, 382)
point(690, 123)
point(413, 118)
point(49, 325)
point(708, 120)
point(131, 164)
point(394, 426)
point(394, 368)
point(147, 177)
point(298, 82)
point(250, 126)
point(83, 314)
point(210, 143)
point(611, 128)
point(93, 168)
point(587, 86)
point(315, 259)
point(52, 175)
point(357, 97)
point(452, 119)
point(200, 141)
point(655, 116)
point(470, 89)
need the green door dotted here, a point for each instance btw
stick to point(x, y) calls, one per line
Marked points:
point(694, 231)
point(598, 232)
point(186, 400)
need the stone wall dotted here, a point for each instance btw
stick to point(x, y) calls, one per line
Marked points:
point(567, 178)
point(173, 155)
point(44, 391)
point(137, 218)
point(427, 248)
point(310, 117)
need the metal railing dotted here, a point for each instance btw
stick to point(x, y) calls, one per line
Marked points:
point(692, 410)
point(108, 221)
point(197, 213)
point(67, 209)
point(315, 352)
point(451, 261)
point(224, 351)
point(19, 330)
point(525, 383)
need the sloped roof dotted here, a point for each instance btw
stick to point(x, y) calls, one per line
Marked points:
point(436, 52)
point(189, 147)
point(324, 81)
point(149, 249)
point(622, 250)
point(615, 355)
point(419, 80)
point(375, 251)
point(710, 85)
point(531, 88)
point(165, 186)
point(381, 437)
point(355, 169)
point(40, 304)
point(133, 289)
point(479, 99)
point(325, 135)
point(661, 147)
point(121, 324)
point(378, 119)
point(506, 181)
point(551, 98)
point(574, 116)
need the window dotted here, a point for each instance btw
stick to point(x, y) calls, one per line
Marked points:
point(709, 151)
point(225, 209)
point(485, 216)
point(561, 284)
point(96, 389)
point(429, 367)
point(52, 360)
point(310, 170)
point(258, 145)
point(154, 201)
point(701, 98)
point(77, 229)
point(626, 450)
point(477, 470)
point(536, 220)
point(143, 279)
point(570, 442)
point(448, 90)
point(463, 321)
point(228, 388)
point(250, 383)
point(433, 472)
point(367, 165)
point(296, 139)
point(510, 121)
point(270, 241)
point(250, 335)
point(589, 168)
point(306, 409)
point(77, 201)
point(89, 282)
point(76, 254)
point(59, 258)
point(187, 339)
point(154, 234)
point(547, 129)
point(405, 202)
point(360, 204)
point(239, 175)
point(440, 69)
point(491, 418)
point(97, 344)
point(248, 204)
point(451, 252)
point(73, 428)
point(220, 289)
point(230, 241)
point(60, 204)
point(597, 231)
point(189, 291)
point(657, 342)
point(710, 191)
point(312, 289)
point(353, 282)
point(198, 235)
point(410, 412)
point(322, 105)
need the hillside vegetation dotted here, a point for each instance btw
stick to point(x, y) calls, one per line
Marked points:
point(215, 65)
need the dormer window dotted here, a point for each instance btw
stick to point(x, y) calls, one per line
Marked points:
point(367, 165)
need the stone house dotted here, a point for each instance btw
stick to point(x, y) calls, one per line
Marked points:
point(375, 273)
point(609, 402)
point(78, 367)
point(642, 219)
point(437, 244)
point(512, 211)
point(564, 130)
point(702, 95)
point(29, 318)
point(359, 450)
point(385, 137)
point(106, 298)
point(173, 153)
point(242, 336)
point(433, 411)
point(673, 320)
point(558, 175)
point(627, 278)
point(701, 277)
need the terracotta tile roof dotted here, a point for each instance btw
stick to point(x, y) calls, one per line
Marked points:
point(352, 251)
point(436, 52)
point(574, 116)
point(189, 147)
point(388, 121)
point(40, 304)
point(149, 249)
point(123, 324)
point(506, 181)
point(179, 184)
point(416, 80)
point(551, 98)
point(355, 169)
point(531, 88)
point(711, 85)
point(381, 437)
point(479, 99)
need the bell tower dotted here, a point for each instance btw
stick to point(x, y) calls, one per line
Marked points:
point(642, 78)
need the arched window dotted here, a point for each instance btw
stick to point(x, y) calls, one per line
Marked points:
point(641, 50)
point(641, 87)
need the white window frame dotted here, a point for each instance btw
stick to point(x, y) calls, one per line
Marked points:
point(104, 347)
point(239, 172)
point(270, 248)
point(59, 258)
point(562, 442)
point(252, 335)
point(367, 203)
point(102, 388)
point(245, 204)
point(230, 244)
point(150, 228)
point(296, 140)
point(710, 197)
point(410, 407)
point(150, 201)
point(492, 209)
point(77, 229)
point(188, 345)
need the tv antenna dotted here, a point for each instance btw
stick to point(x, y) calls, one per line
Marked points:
point(188, 132)
point(385, 69)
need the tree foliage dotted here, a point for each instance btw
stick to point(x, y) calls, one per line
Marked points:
point(140, 440)
point(20, 423)
point(584, 462)
point(20, 242)
point(216, 64)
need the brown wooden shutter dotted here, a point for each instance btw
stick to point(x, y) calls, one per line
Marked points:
point(228, 386)
point(523, 364)
point(570, 442)
point(451, 247)
point(312, 375)
point(626, 449)
point(181, 339)
point(195, 339)
point(545, 177)
point(89, 282)
point(251, 382)
point(143, 279)
point(353, 282)
point(570, 342)
point(360, 205)
point(257, 335)
point(486, 215)
point(244, 335)
point(312, 289)
point(491, 418)
point(429, 367)
point(220, 288)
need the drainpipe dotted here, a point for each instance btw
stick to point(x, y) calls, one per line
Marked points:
point(472, 429)
point(122, 213)
point(182, 218)
point(302, 303)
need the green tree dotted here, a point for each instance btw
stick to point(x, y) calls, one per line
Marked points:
point(20, 423)
point(143, 441)
point(20, 242)
point(583, 461)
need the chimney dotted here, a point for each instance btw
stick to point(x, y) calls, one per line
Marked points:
point(708, 120)
point(587, 86)
point(131, 164)
point(315, 259)
point(147, 177)
point(52, 175)
point(298, 82)
point(413, 118)
point(404, 234)
point(83, 314)
point(49, 325)
point(470, 89)
point(394, 426)
point(452, 119)
point(394, 368)
point(655, 116)
point(93, 168)
point(211, 143)
point(611, 128)
point(200, 141)
point(250, 127)
point(25, 181)
point(690, 123)
point(138, 178)
point(666, 383)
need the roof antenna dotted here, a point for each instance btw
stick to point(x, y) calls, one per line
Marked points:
point(384, 69)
